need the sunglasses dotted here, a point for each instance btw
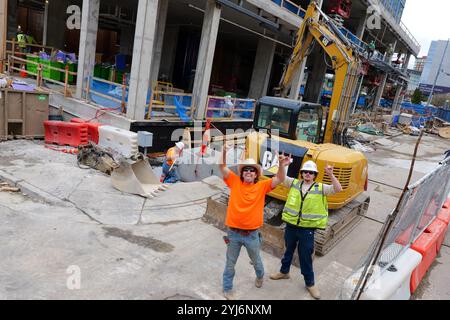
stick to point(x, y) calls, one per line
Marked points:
point(249, 169)
point(309, 172)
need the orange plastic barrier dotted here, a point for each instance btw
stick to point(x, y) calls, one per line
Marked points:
point(403, 238)
point(92, 128)
point(427, 246)
point(444, 214)
point(66, 133)
point(447, 204)
point(439, 229)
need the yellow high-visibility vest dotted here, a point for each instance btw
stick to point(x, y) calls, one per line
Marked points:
point(307, 211)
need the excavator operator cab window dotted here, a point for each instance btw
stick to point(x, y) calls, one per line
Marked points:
point(275, 118)
point(309, 125)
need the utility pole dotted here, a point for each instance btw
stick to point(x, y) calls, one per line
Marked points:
point(437, 75)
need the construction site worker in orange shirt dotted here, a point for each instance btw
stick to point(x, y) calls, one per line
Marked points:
point(169, 174)
point(245, 214)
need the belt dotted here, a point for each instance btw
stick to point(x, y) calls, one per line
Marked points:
point(242, 231)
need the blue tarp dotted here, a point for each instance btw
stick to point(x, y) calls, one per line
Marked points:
point(115, 91)
point(181, 108)
point(420, 109)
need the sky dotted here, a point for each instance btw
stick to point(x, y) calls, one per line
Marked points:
point(427, 20)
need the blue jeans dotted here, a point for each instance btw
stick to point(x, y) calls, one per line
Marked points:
point(303, 240)
point(170, 177)
point(252, 243)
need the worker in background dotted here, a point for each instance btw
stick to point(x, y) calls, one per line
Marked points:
point(245, 215)
point(30, 40)
point(371, 48)
point(306, 210)
point(22, 41)
point(169, 174)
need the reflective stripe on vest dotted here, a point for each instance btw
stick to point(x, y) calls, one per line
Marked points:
point(313, 207)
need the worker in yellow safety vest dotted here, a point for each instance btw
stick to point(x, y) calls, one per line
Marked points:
point(306, 210)
point(23, 40)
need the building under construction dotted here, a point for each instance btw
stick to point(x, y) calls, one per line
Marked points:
point(304, 75)
point(143, 61)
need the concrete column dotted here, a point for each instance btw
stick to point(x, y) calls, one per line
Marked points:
point(406, 63)
point(262, 68)
point(88, 43)
point(159, 39)
point(316, 77)
point(388, 57)
point(297, 80)
point(144, 38)
point(44, 33)
point(170, 50)
point(299, 75)
point(396, 104)
point(380, 91)
point(361, 27)
point(56, 19)
point(12, 19)
point(205, 58)
point(3, 31)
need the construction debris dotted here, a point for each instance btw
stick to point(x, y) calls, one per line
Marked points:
point(444, 133)
point(5, 187)
point(94, 157)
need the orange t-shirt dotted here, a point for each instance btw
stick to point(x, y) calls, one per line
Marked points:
point(170, 156)
point(246, 205)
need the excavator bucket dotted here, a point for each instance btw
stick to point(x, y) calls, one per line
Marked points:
point(137, 178)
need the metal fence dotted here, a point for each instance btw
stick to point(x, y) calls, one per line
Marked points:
point(419, 207)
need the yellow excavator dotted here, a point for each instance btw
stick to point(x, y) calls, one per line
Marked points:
point(305, 131)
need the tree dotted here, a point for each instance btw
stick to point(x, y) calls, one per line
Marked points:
point(417, 96)
point(439, 100)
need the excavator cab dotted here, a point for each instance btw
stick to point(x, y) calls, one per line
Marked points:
point(294, 120)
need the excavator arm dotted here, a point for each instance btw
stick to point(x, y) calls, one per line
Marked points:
point(317, 26)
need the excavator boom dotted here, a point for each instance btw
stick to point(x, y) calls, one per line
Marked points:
point(317, 26)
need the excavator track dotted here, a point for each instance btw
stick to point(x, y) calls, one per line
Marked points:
point(340, 223)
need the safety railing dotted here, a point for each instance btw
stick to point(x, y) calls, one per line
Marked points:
point(410, 35)
point(12, 48)
point(226, 108)
point(179, 104)
point(292, 7)
point(112, 101)
point(41, 73)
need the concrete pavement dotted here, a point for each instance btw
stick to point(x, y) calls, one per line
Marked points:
point(128, 247)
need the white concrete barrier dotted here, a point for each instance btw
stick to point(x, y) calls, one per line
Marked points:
point(392, 284)
point(123, 141)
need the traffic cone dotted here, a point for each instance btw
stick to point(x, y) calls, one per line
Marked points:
point(23, 73)
point(206, 138)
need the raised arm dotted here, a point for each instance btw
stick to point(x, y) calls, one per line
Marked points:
point(223, 165)
point(284, 161)
point(334, 181)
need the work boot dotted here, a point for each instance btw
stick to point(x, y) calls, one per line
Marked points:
point(259, 282)
point(314, 292)
point(229, 295)
point(279, 276)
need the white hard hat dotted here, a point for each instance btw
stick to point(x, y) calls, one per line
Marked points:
point(180, 145)
point(249, 163)
point(309, 166)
